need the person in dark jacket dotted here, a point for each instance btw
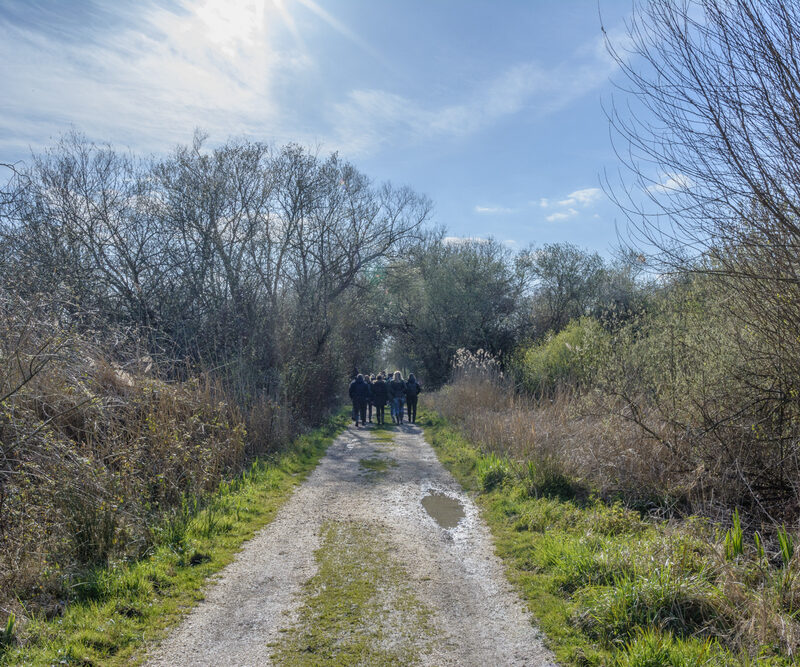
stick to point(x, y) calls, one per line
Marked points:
point(412, 394)
point(369, 379)
point(397, 395)
point(380, 396)
point(358, 394)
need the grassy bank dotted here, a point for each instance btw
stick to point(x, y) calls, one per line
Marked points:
point(119, 609)
point(609, 586)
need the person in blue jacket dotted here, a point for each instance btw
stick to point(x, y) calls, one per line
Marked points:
point(359, 393)
point(397, 396)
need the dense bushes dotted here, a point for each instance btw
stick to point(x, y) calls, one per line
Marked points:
point(245, 259)
point(202, 307)
point(613, 586)
point(701, 386)
point(569, 358)
point(95, 455)
point(446, 294)
point(720, 420)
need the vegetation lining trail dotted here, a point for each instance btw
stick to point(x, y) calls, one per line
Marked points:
point(297, 593)
point(611, 587)
point(127, 605)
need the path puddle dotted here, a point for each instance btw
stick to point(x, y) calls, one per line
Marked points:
point(446, 510)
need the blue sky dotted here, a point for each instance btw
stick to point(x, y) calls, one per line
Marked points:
point(493, 109)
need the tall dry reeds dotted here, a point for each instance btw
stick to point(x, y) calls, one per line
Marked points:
point(565, 435)
point(629, 580)
point(95, 452)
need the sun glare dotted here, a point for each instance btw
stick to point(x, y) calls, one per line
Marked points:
point(236, 26)
point(288, 20)
point(231, 24)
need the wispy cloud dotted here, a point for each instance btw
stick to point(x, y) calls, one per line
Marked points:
point(671, 182)
point(493, 210)
point(562, 215)
point(370, 118)
point(585, 197)
point(147, 78)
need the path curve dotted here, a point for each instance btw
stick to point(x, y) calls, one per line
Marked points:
point(479, 619)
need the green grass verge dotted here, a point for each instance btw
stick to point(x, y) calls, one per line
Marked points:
point(383, 431)
point(606, 586)
point(359, 609)
point(120, 610)
point(376, 465)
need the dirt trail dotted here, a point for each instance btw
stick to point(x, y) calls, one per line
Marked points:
point(475, 617)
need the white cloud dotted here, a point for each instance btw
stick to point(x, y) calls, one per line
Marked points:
point(585, 197)
point(160, 71)
point(671, 182)
point(562, 215)
point(493, 210)
point(570, 206)
point(149, 77)
point(369, 118)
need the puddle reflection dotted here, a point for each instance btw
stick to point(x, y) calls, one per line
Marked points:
point(446, 510)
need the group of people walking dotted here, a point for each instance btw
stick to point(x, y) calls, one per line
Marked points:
point(368, 391)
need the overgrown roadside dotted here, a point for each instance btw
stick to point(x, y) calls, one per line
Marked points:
point(611, 587)
point(122, 608)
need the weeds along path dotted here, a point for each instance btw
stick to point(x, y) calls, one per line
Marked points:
point(353, 570)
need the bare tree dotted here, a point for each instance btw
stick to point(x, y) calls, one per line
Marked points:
point(242, 258)
point(337, 226)
point(709, 137)
point(709, 134)
point(83, 223)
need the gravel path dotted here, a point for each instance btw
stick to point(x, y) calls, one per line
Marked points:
point(479, 620)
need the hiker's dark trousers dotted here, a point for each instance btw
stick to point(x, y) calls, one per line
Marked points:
point(397, 408)
point(360, 411)
point(412, 408)
point(380, 411)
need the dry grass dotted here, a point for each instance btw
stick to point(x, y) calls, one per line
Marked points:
point(605, 452)
point(96, 455)
point(270, 426)
point(624, 572)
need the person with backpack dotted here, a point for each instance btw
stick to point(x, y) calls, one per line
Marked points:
point(412, 394)
point(397, 395)
point(359, 391)
point(380, 396)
